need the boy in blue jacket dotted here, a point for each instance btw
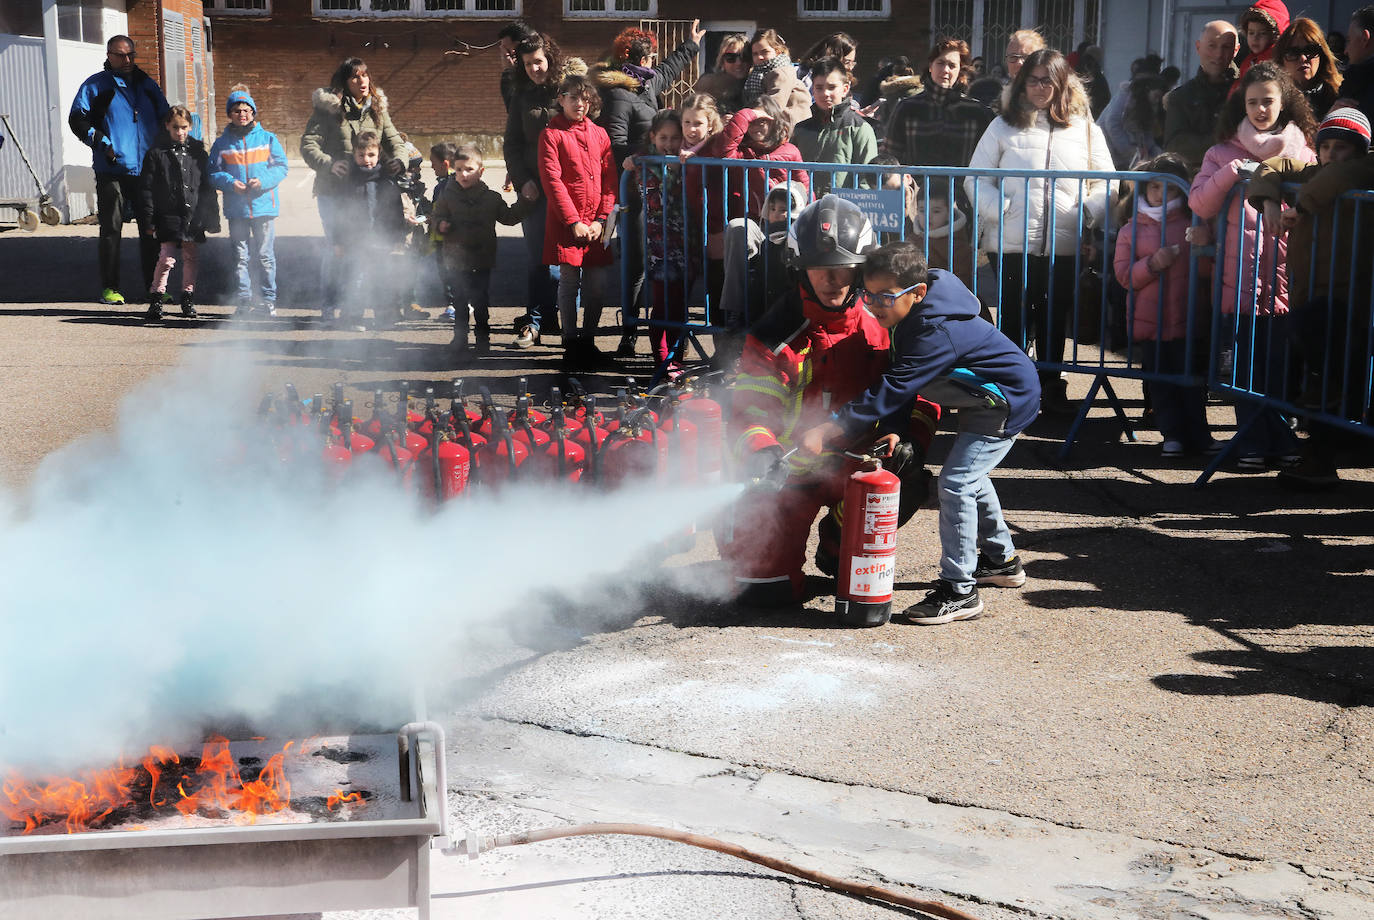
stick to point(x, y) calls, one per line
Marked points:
point(247, 164)
point(943, 350)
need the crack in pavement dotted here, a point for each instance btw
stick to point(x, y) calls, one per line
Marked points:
point(750, 773)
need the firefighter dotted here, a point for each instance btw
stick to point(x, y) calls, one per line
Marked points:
point(812, 352)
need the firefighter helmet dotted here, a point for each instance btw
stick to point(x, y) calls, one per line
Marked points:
point(829, 232)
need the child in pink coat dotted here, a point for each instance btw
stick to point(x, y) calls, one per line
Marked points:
point(1266, 117)
point(578, 175)
point(1152, 253)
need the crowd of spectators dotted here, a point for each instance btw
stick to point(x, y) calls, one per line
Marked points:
point(1266, 87)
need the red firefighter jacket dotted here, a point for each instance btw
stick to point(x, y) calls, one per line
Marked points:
point(802, 362)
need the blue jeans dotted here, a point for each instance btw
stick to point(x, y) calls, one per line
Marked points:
point(542, 288)
point(254, 241)
point(970, 514)
point(471, 287)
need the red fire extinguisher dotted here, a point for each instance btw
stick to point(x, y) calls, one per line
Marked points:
point(868, 545)
point(561, 458)
point(706, 414)
point(633, 451)
point(459, 399)
point(504, 454)
point(681, 435)
point(591, 436)
point(445, 464)
point(523, 422)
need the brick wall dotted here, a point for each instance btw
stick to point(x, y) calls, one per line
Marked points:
point(145, 28)
point(434, 95)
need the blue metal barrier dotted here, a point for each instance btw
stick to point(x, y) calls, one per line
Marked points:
point(725, 189)
point(1098, 338)
point(1315, 360)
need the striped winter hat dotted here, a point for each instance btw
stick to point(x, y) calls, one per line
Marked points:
point(1346, 124)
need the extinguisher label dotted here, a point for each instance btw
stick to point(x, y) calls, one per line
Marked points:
point(880, 522)
point(871, 576)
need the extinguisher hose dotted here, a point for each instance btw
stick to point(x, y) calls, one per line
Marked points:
point(933, 908)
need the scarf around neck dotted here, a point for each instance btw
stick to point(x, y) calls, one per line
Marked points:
point(642, 74)
point(1159, 213)
point(1288, 141)
point(753, 84)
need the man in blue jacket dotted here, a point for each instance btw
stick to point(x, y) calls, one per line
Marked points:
point(944, 351)
point(118, 114)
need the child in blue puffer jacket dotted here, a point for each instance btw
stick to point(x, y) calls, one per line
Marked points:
point(247, 164)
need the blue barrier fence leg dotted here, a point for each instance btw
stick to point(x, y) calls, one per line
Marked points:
point(1104, 383)
point(1231, 447)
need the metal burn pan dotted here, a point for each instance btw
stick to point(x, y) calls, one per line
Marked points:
point(241, 870)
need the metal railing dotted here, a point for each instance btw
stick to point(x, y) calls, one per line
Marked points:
point(1003, 261)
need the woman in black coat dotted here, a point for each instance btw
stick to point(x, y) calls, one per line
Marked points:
point(630, 87)
point(178, 205)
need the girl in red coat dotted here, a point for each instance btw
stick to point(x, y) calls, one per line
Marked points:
point(578, 174)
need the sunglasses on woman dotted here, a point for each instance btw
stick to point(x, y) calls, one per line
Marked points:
point(1311, 52)
point(731, 57)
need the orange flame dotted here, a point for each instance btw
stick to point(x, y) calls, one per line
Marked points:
point(77, 802)
point(83, 800)
point(341, 798)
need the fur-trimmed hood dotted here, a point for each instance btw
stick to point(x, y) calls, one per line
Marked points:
point(606, 76)
point(329, 102)
point(905, 85)
point(1273, 13)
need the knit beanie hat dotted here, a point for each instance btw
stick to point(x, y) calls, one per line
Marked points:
point(1346, 124)
point(237, 96)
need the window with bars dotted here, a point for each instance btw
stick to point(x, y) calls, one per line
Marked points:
point(843, 9)
point(238, 7)
point(414, 9)
point(987, 24)
point(610, 9)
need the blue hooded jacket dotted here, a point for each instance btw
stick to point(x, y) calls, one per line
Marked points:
point(946, 352)
point(118, 112)
point(238, 156)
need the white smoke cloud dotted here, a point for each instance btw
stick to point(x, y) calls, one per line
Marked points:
point(170, 576)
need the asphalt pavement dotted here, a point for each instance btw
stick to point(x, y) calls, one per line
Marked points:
point(1172, 719)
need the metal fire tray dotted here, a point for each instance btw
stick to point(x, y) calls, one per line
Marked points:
point(240, 870)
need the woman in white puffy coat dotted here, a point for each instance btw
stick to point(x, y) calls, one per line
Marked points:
point(1046, 124)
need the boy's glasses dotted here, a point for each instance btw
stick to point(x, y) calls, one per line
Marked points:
point(731, 57)
point(884, 301)
point(1310, 53)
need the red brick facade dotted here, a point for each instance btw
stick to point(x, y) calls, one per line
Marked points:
point(433, 95)
point(145, 28)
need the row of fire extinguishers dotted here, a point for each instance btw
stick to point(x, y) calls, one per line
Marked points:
point(673, 433)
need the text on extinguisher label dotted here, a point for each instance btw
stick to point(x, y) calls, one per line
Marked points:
point(880, 522)
point(871, 576)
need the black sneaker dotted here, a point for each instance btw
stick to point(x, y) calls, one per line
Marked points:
point(154, 314)
point(626, 347)
point(1313, 474)
point(188, 306)
point(1007, 574)
point(945, 605)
